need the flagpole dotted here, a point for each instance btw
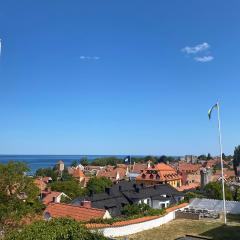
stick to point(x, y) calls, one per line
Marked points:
point(221, 152)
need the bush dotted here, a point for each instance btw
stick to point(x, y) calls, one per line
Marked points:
point(71, 188)
point(55, 229)
point(98, 184)
point(141, 210)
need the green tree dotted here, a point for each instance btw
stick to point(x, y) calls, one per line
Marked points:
point(74, 163)
point(209, 156)
point(202, 157)
point(98, 184)
point(71, 188)
point(214, 190)
point(165, 159)
point(236, 158)
point(47, 172)
point(18, 193)
point(84, 161)
point(55, 229)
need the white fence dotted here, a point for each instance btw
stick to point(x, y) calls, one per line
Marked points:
point(138, 227)
point(232, 207)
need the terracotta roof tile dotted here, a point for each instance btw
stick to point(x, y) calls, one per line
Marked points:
point(49, 196)
point(78, 213)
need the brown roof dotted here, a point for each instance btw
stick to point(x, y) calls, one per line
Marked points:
point(138, 167)
point(78, 213)
point(189, 167)
point(188, 186)
point(40, 184)
point(111, 173)
point(159, 172)
point(49, 196)
point(77, 173)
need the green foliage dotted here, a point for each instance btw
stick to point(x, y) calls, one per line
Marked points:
point(165, 159)
point(190, 195)
point(74, 163)
point(144, 159)
point(84, 161)
point(202, 157)
point(236, 158)
point(214, 190)
point(55, 229)
point(141, 210)
point(98, 184)
point(70, 187)
point(47, 172)
point(52, 172)
point(238, 194)
point(113, 161)
point(18, 193)
point(209, 156)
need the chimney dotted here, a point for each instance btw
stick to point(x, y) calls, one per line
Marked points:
point(149, 164)
point(54, 199)
point(86, 204)
point(91, 193)
point(108, 190)
point(137, 189)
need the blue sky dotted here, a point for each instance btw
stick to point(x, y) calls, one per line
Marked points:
point(115, 77)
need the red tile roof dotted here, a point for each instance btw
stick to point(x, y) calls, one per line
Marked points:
point(40, 184)
point(189, 167)
point(159, 172)
point(111, 173)
point(78, 213)
point(78, 173)
point(188, 186)
point(49, 196)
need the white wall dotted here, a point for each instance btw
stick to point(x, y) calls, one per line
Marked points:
point(156, 204)
point(138, 227)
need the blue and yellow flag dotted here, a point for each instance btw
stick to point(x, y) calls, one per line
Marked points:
point(210, 110)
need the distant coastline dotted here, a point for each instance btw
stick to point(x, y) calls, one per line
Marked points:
point(35, 162)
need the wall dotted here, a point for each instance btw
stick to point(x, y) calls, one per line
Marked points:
point(232, 207)
point(138, 227)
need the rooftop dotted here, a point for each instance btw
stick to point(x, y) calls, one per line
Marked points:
point(78, 213)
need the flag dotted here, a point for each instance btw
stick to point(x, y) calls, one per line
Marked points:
point(210, 110)
point(127, 159)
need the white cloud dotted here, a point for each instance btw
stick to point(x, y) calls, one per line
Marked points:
point(89, 58)
point(196, 49)
point(204, 59)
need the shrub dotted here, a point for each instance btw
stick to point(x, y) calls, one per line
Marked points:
point(55, 229)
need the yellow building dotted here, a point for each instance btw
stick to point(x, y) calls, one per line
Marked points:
point(159, 174)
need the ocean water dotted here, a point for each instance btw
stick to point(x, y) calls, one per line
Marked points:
point(35, 162)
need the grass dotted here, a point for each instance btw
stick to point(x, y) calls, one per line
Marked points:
point(181, 227)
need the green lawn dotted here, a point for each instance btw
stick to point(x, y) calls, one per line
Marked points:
point(181, 227)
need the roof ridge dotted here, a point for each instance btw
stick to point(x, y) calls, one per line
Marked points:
point(71, 205)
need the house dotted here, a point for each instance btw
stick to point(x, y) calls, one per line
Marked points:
point(159, 174)
point(125, 192)
point(52, 196)
point(79, 213)
point(228, 175)
point(115, 174)
point(60, 166)
point(40, 184)
point(92, 170)
point(190, 173)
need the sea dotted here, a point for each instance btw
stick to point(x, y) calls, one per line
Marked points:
point(35, 162)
